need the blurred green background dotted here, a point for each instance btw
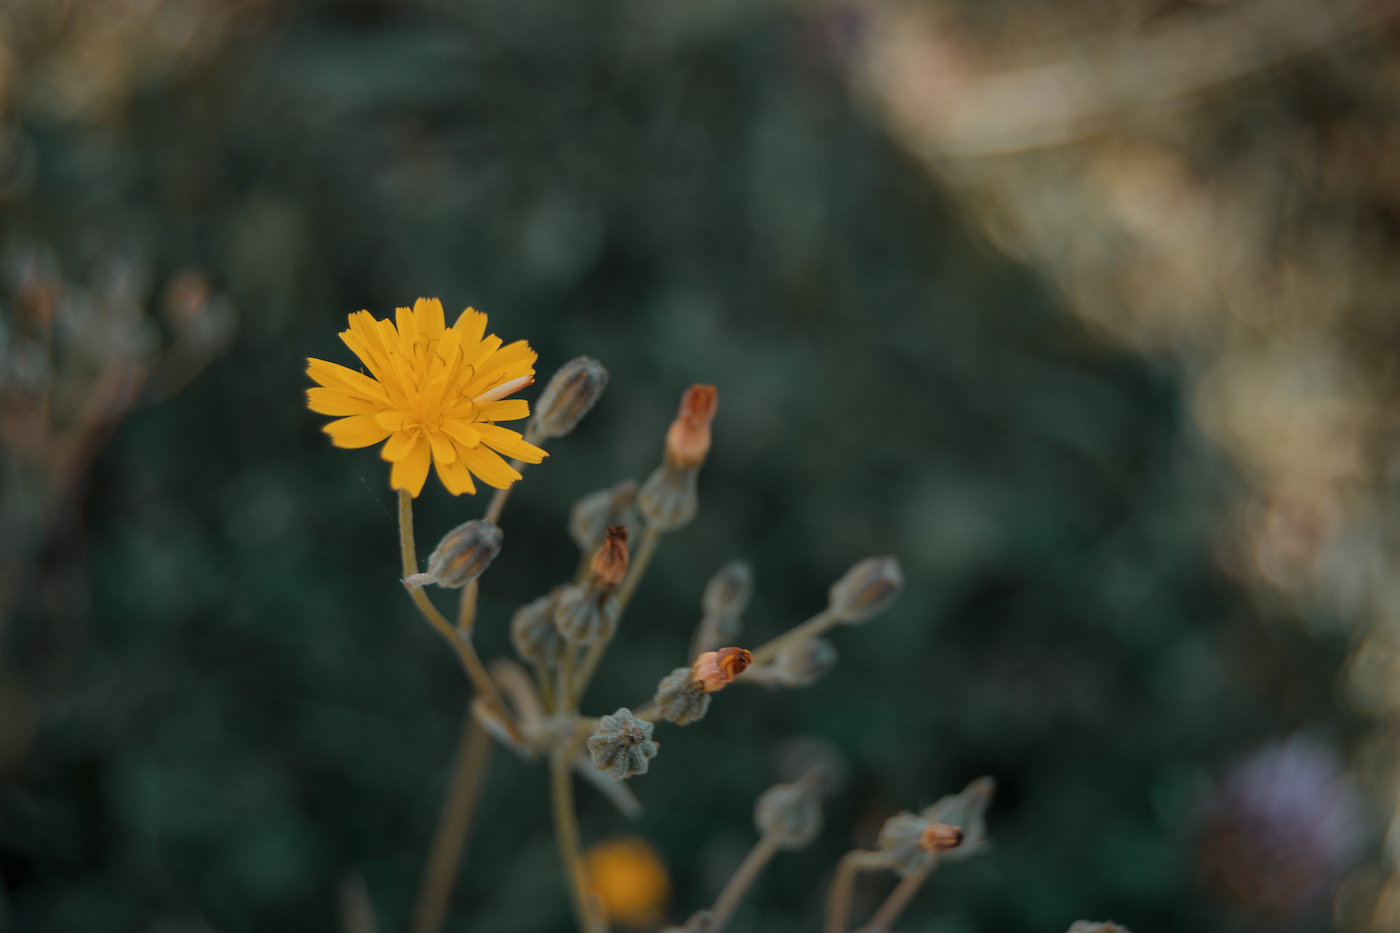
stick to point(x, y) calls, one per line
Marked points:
point(216, 702)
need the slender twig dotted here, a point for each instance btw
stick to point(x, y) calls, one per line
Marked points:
point(466, 608)
point(738, 884)
point(464, 786)
point(636, 567)
point(899, 898)
point(814, 626)
point(566, 831)
point(838, 904)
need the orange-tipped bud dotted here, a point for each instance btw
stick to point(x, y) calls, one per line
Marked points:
point(714, 670)
point(688, 438)
point(610, 560)
point(940, 837)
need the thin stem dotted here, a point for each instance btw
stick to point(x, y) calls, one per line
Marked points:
point(498, 500)
point(738, 884)
point(463, 789)
point(636, 567)
point(466, 608)
point(838, 904)
point(566, 831)
point(466, 653)
point(898, 900)
point(814, 626)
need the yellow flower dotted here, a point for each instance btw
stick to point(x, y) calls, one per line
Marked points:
point(628, 878)
point(436, 394)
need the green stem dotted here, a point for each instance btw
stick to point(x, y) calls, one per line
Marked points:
point(816, 625)
point(744, 876)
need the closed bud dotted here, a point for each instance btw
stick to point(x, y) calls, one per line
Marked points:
point(866, 589)
point(802, 662)
point(791, 814)
point(572, 392)
point(622, 746)
point(585, 616)
point(590, 516)
point(681, 698)
point(688, 438)
point(532, 630)
point(904, 835)
point(940, 837)
point(610, 561)
point(715, 670)
point(728, 593)
point(462, 555)
point(668, 500)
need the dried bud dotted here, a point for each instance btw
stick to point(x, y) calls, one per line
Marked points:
point(591, 515)
point(610, 561)
point(688, 438)
point(622, 746)
point(940, 837)
point(866, 589)
point(668, 500)
point(585, 615)
point(902, 837)
point(462, 555)
point(681, 698)
point(572, 392)
point(802, 662)
point(791, 813)
point(715, 670)
point(532, 630)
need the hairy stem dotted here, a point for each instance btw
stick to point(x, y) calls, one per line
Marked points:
point(463, 789)
point(838, 904)
point(739, 883)
point(899, 898)
point(814, 626)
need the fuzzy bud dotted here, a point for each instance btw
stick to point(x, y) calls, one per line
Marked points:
point(462, 555)
point(940, 837)
point(866, 589)
point(726, 597)
point(688, 438)
point(585, 615)
point(791, 813)
point(668, 500)
point(622, 746)
point(532, 630)
point(610, 561)
point(715, 670)
point(802, 663)
point(903, 836)
point(681, 698)
point(590, 516)
point(572, 392)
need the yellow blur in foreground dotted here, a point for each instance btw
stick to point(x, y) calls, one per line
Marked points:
point(629, 880)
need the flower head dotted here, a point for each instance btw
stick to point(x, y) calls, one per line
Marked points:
point(434, 393)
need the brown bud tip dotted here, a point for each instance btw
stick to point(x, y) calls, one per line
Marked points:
point(688, 439)
point(940, 837)
point(714, 670)
point(610, 560)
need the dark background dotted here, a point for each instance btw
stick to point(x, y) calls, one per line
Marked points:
point(218, 701)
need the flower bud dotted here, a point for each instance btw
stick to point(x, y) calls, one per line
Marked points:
point(802, 663)
point(791, 814)
point(532, 630)
point(688, 438)
point(610, 561)
point(728, 593)
point(668, 500)
point(585, 615)
point(462, 555)
point(622, 746)
point(866, 589)
point(940, 837)
point(572, 392)
point(715, 670)
point(591, 515)
point(904, 835)
point(681, 698)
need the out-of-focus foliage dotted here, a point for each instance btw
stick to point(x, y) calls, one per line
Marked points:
point(242, 708)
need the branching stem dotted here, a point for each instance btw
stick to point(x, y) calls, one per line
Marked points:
point(814, 626)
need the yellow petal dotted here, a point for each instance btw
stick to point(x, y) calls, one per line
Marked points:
point(365, 341)
point(488, 465)
point(393, 420)
point(408, 327)
point(461, 432)
point(510, 443)
point(400, 445)
point(335, 376)
point(336, 402)
point(410, 472)
point(442, 447)
point(455, 478)
point(472, 326)
point(427, 312)
point(355, 431)
point(510, 409)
